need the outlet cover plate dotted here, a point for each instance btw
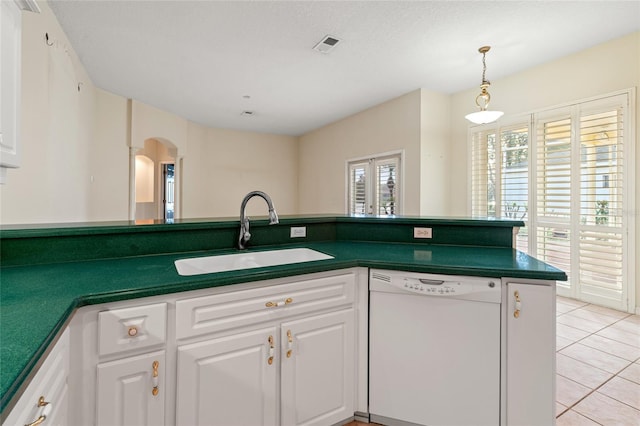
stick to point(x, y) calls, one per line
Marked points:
point(298, 231)
point(422, 233)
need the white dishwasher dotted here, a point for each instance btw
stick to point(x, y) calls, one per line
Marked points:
point(434, 349)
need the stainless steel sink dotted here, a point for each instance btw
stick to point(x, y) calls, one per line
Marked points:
point(247, 260)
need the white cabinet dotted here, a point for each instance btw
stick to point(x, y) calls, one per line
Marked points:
point(46, 396)
point(233, 380)
point(292, 362)
point(10, 48)
point(230, 380)
point(530, 353)
point(130, 391)
point(317, 362)
point(222, 355)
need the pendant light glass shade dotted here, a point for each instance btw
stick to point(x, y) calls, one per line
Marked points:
point(484, 116)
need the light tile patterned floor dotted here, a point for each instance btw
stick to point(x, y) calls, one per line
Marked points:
point(598, 365)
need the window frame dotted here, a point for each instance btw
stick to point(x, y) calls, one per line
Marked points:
point(370, 161)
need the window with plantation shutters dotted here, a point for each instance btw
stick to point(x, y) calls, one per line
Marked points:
point(567, 177)
point(374, 186)
point(500, 175)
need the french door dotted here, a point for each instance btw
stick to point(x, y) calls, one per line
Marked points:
point(567, 173)
point(582, 190)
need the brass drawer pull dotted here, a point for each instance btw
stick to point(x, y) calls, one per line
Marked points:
point(289, 343)
point(155, 378)
point(271, 350)
point(133, 331)
point(516, 312)
point(46, 410)
point(280, 303)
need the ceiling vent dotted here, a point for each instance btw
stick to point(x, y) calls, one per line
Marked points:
point(326, 45)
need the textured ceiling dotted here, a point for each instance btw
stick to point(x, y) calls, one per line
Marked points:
point(201, 59)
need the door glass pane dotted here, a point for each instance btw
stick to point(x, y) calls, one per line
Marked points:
point(514, 180)
point(601, 198)
point(386, 187)
point(554, 170)
point(358, 189)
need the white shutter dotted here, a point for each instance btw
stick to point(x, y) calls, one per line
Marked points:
point(387, 185)
point(602, 162)
point(358, 176)
point(553, 191)
point(514, 179)
point(483, 174)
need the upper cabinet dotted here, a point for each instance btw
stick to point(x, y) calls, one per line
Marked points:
point(10, 46)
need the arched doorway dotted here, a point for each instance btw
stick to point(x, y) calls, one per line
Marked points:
point(154, 181)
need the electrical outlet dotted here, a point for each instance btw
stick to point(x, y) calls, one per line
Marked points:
point(422, 233)
point(298, 231)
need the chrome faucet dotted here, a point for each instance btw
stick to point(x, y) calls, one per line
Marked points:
point(245, 235)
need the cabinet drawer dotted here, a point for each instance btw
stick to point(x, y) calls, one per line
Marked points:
point(127, 329)
point(209, 314)
point(50, 383)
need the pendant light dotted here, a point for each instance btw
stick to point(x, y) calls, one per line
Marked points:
point(484, 116)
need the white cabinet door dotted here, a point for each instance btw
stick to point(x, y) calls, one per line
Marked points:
point(131, 391)
point(50, 384)
point(229, 380)
point(530, 392)
point(318, 369)
point(10, 27)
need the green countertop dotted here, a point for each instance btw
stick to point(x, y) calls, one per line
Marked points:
point(37, 300)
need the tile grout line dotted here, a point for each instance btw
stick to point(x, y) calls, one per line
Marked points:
point(569, 408)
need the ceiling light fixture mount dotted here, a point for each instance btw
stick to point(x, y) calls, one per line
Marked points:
point(484, 116)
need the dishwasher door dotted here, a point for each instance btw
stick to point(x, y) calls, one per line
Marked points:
point(434, 359)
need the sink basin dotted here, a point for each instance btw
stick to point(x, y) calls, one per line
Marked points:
point(247, 260)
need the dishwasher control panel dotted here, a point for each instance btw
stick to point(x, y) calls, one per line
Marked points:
point(459, 287)
point(433, 287)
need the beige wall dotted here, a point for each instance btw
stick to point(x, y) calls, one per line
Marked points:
point(416, 123)
point(148, 122)
point(224, 165)
point(53, 183)
point(435, 154)
point(76, 158)
point(109, 160)
point(391, 126)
